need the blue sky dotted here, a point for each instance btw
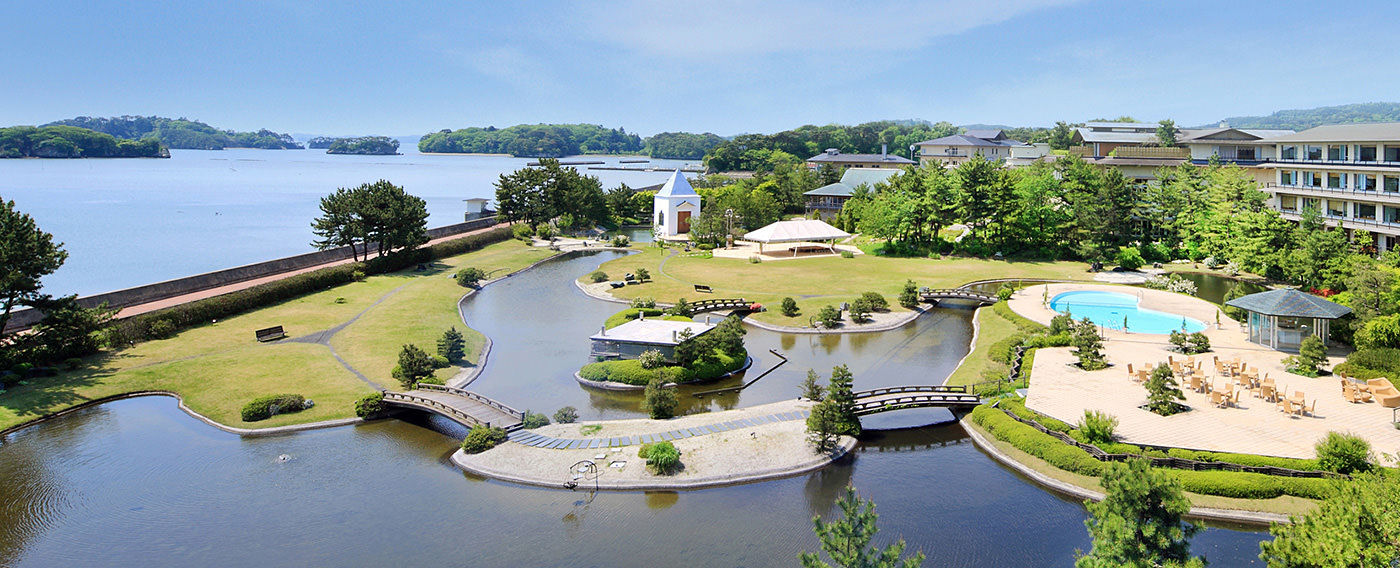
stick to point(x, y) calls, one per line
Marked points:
point(720, 66)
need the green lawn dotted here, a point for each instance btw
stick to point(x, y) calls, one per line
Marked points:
point(991, 328)
point(218, 367)
point(815, 282)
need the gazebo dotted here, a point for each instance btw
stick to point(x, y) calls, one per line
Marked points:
point(797, 231)
point(1283, 318)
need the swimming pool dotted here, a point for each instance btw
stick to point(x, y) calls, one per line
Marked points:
point(1108, 309)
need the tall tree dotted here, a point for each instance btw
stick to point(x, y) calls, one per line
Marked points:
point(1355, 527)
point(340, 223)
point(1061, 136)
point(1139, 522)
point(27, 254)
point(841, 394)
point(847, 540)
point(1166, 133)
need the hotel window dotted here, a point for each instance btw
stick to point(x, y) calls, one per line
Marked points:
point(1312, 179)
point(1288, 153)
point(1365, 182)
point(1288, 202)
point(1312, 152)
point(1336, 208)
point(1364, 211)
point(1392, 214)
point(1312, 203)
point(1336, 180)
point(1392, 184)
point(1337, 152)
point(1392, 153)
point(1287, 177)
point(1366, 154)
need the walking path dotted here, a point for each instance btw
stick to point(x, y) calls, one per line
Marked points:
point(529, 438)
point(137, 309)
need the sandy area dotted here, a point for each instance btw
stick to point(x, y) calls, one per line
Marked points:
point(735, 456)
point(1063, 391)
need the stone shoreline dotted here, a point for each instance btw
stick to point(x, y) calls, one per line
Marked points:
point(609, 385)
point(180, 402)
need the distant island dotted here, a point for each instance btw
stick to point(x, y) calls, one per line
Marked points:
point(533, 141)
point(1303, 119)
point(181, 133)
point(681, 145)
point(365, 145)
point(73, 142)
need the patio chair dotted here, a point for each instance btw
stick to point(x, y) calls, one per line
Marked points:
point(1384, 392)
point(1218, 399)
point(1353, 393)
point(1284, 405)
point(1131, 374)
point(1310, 410)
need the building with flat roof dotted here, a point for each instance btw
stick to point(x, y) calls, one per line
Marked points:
point(950, 151)
point(828, 199)
point(834, 157)
point(1349, 173)
point(629, 340)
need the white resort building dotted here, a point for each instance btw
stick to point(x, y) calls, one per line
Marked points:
point(1350, 173)
point(674, 206)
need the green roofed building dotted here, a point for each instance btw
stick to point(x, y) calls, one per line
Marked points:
point(828, 199)
point(1282, 318)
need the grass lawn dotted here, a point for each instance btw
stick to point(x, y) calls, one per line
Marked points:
point(1284, 504)
point(814, 282)
point(991, 328)
point(218, 367)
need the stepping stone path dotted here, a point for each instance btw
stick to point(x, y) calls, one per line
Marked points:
point(529, 438)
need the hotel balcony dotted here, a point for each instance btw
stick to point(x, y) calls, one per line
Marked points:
point(1379, 226)
point(1372, 195)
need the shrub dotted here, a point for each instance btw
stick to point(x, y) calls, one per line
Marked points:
point(369, 405)
point(755, 260)
point(1163, 391)
point(811, 386)
point(628, 371)
point(658, 401)
point(1379, 331)
point(414, 365)
point(358, 276)
point(1311, 359)
point(829, 316)
point(662, 457)
point(598, 276)
point(789, 307)
point(1004, 293)
point(860, 310)
point(682, 308)
point(265, 407)
point(470, 276)
point(522, 231)
point(439, 362)
point(1128, 258)
point(644, 302)
point(1371, 363)
point(1212, 263)
point(533, 420)
point(544, 231)
point(1061, 324)
point(161, 329)
point(1199, 343)
point(482, 438)
point(847, 254)
point(621, 241)
point(643, 274)
point(876, 301)
point(1344, 453)
point(566, 415)
point(1087, 346)
point(451, 346)
point(1002, 350)
point(1097, 427)
point(909, 296)
point(651, 359)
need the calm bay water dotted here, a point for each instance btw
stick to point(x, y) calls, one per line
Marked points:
point(127, 222)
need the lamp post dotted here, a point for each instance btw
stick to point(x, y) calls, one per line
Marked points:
point(729, 228)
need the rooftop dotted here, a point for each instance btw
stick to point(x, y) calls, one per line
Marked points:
point(1288, 302)
point(651, 331)
point(677, 186)
point(853, 178)
point(796, 231)
point(1373, 132)
point(836, 157)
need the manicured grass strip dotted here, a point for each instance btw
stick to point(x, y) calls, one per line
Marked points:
point(991, 328)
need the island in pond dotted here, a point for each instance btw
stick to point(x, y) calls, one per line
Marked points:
point(181, 133)
point(363, 145)
point(73, 142)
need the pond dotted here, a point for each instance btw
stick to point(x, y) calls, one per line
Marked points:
point(139, 483)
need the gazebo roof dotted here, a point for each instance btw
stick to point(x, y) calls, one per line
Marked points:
point(677, 186)
point(1288, 302)
point(796, 231)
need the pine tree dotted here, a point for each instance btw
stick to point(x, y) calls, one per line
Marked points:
point(811, 388)
point(451, 346)
point(1138, 524)
point(843, 399)
point(847, 541)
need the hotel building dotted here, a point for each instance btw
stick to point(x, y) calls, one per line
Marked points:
point(1350, 173)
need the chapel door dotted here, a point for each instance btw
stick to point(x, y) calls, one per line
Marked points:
point(682, 221)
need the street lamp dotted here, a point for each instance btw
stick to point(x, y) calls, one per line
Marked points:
point(729, 228)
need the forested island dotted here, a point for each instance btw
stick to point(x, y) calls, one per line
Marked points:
point(73, 142)
point(533, 140)
point(681, 145)
point(364, 145)
point(181, 133)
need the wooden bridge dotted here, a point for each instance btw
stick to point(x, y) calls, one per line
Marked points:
point(886, 399)
point(932, 295)
point(719, 305)
point(462, 406)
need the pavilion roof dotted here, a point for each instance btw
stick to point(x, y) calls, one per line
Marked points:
point(796, 231)
point(1288, 302)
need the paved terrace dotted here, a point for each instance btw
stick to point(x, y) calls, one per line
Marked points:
point(1062, 391)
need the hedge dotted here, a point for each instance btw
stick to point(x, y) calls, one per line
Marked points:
point(370, 405)
point(630, 314)
point(1072, 459)
point(1004, 310)
point(198, 312)
point(1371, 363)
point(630, 371)
point(265, 407)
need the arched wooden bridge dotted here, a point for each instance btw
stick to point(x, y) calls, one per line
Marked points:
point(874, 401)
point(932, 295)
point(719, 305)
point(461, 406)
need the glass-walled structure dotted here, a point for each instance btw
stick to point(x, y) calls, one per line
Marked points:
point(1282, 319)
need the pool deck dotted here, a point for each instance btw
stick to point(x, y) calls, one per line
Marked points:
point(1063, 391)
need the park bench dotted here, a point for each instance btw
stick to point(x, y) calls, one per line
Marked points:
point(617, 284)
point(271, 334)
point(703, 288)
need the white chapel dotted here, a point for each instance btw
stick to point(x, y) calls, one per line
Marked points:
point(674, 206)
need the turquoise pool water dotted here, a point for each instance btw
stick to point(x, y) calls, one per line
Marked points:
point(1108, 309)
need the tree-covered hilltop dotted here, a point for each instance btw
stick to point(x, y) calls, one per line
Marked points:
point(368, 145)
point(321, 142)
point(1303, 119)
point(680, 145)
point(181, 133)
point(533, 140)
point(756, 151)
point(73, 142)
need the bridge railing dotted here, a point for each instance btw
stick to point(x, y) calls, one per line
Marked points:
point(958, 293)
point(917, 388)
point(471, 395)
point(915, 401)
point(719, 304)
point(430, 403)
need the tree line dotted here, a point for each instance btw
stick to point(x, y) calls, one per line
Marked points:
point(365, 145)
point(182, 133)
point(533, 140)
point(73, 142)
